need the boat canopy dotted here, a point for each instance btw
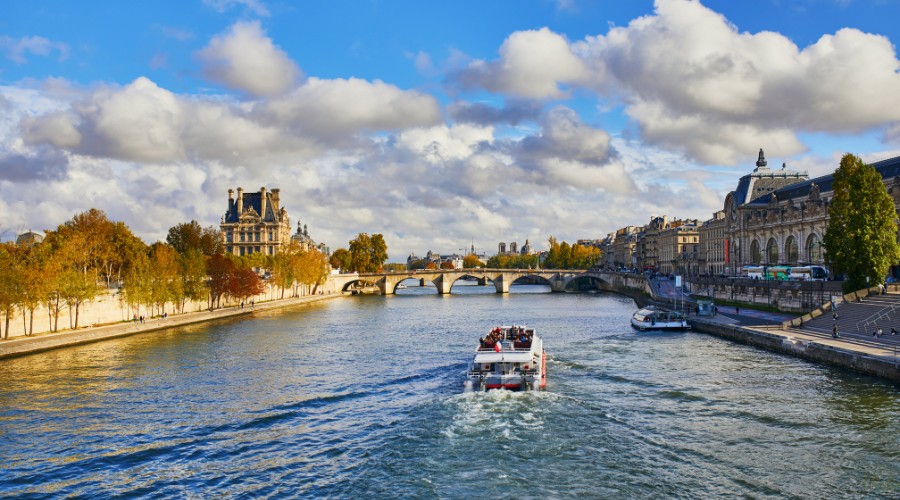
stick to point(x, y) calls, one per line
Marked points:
point(503, 357)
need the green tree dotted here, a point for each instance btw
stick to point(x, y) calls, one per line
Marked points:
point(139, 281)
point(861, 238)
point(367, 253)
point(341, 259)
point(193, 276)
point(191, 236)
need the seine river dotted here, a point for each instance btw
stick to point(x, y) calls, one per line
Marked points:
point(363, 397)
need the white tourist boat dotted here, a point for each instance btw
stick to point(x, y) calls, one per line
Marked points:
point(650, 318)
point(509, 357)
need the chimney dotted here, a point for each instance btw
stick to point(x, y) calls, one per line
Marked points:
point(276, 202)
point(230, 200)
point(262, 203)
point(240, 201)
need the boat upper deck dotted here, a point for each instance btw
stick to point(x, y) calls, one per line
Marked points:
point(510, 338)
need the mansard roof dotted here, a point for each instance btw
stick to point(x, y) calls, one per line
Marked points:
point(254, 201)
point(888, 169)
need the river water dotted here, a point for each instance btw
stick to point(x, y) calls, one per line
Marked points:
point(363, 397)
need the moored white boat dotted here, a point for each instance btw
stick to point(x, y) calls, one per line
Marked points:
point(509, 357)
point(650, 318)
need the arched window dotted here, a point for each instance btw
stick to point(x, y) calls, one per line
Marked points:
point(772, 251)
point(792, 251)
point(755, 257)
point(814, 249)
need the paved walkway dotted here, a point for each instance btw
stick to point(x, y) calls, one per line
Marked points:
point(886, 346)
point(20, 346)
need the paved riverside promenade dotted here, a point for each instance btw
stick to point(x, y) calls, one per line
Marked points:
point(855, 349)
point(21, 346)
point(810, 336)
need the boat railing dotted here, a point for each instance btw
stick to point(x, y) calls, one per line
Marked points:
point(516, 347)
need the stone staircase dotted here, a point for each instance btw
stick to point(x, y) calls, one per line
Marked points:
point(858, 319)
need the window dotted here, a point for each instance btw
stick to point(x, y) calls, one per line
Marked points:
point(814, 249)
point(755, 256)
point(772, 251)
point(792, 251)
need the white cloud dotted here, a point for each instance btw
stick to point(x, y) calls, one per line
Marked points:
point(253, 6)
point(329, 108)
point(534, 64)
point(245, 59)
point(16, 49)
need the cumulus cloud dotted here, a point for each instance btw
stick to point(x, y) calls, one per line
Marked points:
point(691, 81)
point(512, 113)
point(15, 49)
point(689, 77)
point(244, 58)
point(565, 136)
point(42, 165)
point(537, 64)
point(337, 107)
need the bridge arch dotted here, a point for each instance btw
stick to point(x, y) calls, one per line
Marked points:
point(358, 284)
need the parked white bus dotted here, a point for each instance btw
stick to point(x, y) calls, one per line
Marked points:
point(809, 273)
point(758, 272)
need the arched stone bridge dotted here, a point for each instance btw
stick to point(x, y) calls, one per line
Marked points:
point(443, 280)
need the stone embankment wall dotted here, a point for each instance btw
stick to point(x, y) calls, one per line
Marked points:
point(786, 296)
point(110, 307)
point(779, 341)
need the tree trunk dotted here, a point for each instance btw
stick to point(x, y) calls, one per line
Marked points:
point(77, 308)
point(6, 335)
point(31, 323)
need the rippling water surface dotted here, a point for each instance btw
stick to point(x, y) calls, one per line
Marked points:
point(362, 397)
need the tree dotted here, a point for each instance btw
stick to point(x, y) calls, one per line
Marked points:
point(861, 238)
point(139, 281)
point(447, 264)
point(221, 271)
point(471, 261)
point(340, 259)
point(191, 236)
point(10, 282)
point(245, 283)
point(165, 271)
point(193, 276)
point(367, 253)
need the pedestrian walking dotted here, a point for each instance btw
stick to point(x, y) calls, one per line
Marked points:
point(737, 310)
point(834, 315)
point(834, 333)
point(893, 331)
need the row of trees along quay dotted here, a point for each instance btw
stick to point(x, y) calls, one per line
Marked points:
point(90, 254)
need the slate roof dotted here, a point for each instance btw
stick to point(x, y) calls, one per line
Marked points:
point(888, 169)
point(251, 200)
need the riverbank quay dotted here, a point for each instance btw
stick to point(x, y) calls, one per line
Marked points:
point(23, 346)
point(878, 358)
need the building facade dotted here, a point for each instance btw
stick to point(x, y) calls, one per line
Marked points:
point(255, 223)
point(712, 245)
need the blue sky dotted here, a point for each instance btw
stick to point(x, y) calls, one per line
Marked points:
point(434, 123)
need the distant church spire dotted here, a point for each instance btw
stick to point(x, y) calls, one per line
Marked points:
point(761, 162)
